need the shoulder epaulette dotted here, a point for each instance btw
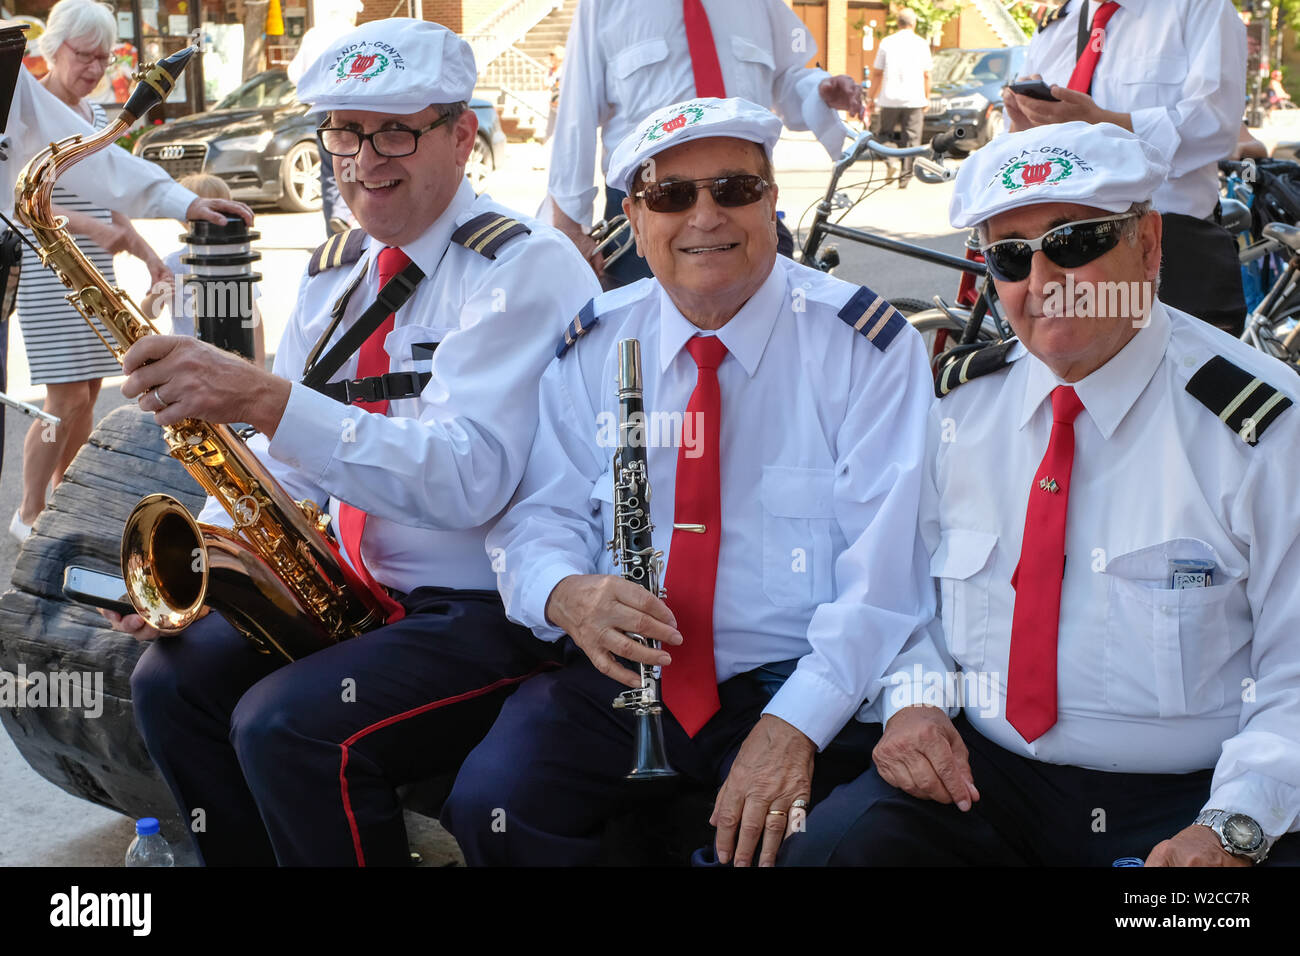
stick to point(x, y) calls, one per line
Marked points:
point(1244, 403)
point(874, 317)
point(583, 323)
point(1052, 16)
point(983, 361)
point(487, 233)
point(340, 249)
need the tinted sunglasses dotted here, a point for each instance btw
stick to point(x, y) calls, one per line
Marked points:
point(1069, 245)
point(679, 195)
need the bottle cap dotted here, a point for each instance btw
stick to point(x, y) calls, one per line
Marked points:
point(1129, 861)
point(146, 825)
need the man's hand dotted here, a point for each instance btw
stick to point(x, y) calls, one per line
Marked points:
point(1026, 112)
point(773, 769)
point(842, 93)
point(132, 624)
point(599, 610)
point(198, 380)
point(218, 211)
point(578, 236)
point(1196, 846)
point(922, 754)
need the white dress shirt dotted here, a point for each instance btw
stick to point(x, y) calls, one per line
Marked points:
point(436, 471)
point(821, 451)
point(903, 59)
point(627, 58)
point(1179, 68)
point(112, 177)
point(1149, 679)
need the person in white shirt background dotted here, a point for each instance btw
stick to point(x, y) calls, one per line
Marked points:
point(900, 86)
point(626, 58)
point(1115, 560)
point(413, 449)
point(1173, 72)
point(801, 484)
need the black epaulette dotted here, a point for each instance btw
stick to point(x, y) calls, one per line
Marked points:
point(983, 361)
point(1244, 403)
point(340, 249)
point(583, 323)
point(1053, 16)
point(874, 317)
point(487, 233)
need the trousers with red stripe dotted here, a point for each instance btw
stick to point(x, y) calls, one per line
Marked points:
point(297, 764)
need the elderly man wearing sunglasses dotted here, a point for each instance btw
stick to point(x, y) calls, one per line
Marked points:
point(784, 440)
point(1116, 558)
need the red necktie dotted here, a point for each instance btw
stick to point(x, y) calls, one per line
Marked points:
point(704, 54)
point(372, 360)
point(1081, 78)
point(690, 683)
point(1031, 671)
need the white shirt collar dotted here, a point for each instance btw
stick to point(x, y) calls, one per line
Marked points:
point(1110, 391)
point(745, 336)
point(426, 249)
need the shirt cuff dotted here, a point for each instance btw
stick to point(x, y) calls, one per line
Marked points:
point(309, 431)
point(823, 121)
point(174, 202)
point(818, 709)
point(901, 690)
point(537, 591)
point(578, 208)
point(1269, 802)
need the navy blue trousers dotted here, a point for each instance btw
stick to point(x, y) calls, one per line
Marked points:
point(541, 786)
point(297, 764)
point(1029, 813)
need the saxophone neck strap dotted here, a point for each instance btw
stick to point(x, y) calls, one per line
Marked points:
point(391, 298)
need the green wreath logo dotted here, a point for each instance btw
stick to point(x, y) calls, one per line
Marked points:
point(1022, 174)
point(687, 117)
point(361, 66)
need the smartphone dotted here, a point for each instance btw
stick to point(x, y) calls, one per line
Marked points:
point(96, 589)
point(1035, 89)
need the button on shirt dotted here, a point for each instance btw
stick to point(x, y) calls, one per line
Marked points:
point(435, 472)
point(112, 177)
point(821, 449)
point(1179, 68)
point(627, 58)
point(1150, 679)
point(904, 59)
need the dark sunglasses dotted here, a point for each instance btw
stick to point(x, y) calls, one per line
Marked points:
point(1069, 245)
point(678, 195)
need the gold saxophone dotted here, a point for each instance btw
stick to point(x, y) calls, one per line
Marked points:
point(276, 577)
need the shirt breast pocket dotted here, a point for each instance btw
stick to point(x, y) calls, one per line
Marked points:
point(633, 71)
point(1150, 81)
point(755, 63)
point(410, 348)
point(1164, 646)
point(798, 508)
point(962, 564)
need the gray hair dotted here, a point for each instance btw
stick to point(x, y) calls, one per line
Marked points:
point(71, 19)
point(1138, 209)
point(907, 20)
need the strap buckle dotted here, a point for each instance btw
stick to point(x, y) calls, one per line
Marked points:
point(390, 386)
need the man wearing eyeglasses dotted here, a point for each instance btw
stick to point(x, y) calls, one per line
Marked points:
point(783, 437)
point(410, 427)
point(1115, 560)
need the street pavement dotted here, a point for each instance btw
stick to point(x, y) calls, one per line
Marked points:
point(40, 825)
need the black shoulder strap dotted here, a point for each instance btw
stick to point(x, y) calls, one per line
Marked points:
point(1243, 402)
point(1085, 31)
point(961, 370)
point(391, 298)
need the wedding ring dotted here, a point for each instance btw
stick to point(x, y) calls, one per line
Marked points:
point(157, 393)
point(799, 805)
point(778, 813)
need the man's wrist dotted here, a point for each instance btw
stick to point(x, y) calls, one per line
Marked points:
point(272, 400)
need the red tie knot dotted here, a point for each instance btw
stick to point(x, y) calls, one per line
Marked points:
point(1065, 405)
point(707, 350)
point(390, 261)
point(1103, 14)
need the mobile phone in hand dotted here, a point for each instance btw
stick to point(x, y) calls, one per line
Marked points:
point(96, 589)
point(1035, 89)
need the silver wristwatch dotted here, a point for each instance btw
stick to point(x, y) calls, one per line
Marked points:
point(1239, 834)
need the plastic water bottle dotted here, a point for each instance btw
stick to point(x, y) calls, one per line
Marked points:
point(149, 848)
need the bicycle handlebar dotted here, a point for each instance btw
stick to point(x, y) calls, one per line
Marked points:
point(929, 159)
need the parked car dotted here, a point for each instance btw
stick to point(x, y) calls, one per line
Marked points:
point(260, 140)
point(966, 90)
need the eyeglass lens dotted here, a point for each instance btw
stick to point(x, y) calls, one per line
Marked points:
point(679, 195)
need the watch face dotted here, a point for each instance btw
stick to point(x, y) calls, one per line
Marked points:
point(1242, 832)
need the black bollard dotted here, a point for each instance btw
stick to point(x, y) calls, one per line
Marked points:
point(220, 283)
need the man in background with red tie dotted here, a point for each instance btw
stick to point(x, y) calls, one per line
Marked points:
point(627, 58)
point(410, 427)
point(785, 429)
point(1173, 72)
point(1114, 563)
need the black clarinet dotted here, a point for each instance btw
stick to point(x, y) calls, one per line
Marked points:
point(635, 554)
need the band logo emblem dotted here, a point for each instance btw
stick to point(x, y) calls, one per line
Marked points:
point(361, 66)
point(1047, 172)
point(689, 116)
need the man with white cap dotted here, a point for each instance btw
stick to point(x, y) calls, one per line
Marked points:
point(1115, 563)
point(413, 450)
point(784, 449)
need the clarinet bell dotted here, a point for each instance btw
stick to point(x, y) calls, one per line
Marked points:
point(651, 758)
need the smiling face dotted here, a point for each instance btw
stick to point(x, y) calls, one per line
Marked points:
point(395, 199)
point(1076, 320)
point(75, 76)
point(710, 259)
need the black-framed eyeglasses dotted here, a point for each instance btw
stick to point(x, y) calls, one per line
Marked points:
point(392, 143)
point(1069, 245)
point(679, 195)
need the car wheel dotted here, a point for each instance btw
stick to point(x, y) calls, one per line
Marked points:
point(300, 179)
point(480, 162)
point(992, 125)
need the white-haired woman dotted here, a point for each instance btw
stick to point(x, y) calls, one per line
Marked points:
point(63, 353)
